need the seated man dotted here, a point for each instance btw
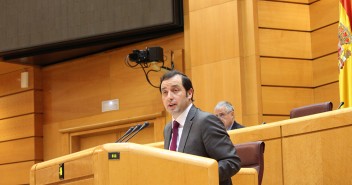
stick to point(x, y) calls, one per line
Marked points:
point(225, 111)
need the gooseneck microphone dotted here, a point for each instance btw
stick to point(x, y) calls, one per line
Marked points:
point(341, 104)
point(146, 124)
point(129, 131)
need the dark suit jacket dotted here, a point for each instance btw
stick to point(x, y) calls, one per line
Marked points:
point(205, 135)
point(236, 125)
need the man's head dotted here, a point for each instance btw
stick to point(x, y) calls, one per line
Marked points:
point(176, 92)
point(225, 111)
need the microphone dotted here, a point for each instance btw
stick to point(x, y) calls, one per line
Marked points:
point(129, 131)
point(342, 103)
point(146, 124)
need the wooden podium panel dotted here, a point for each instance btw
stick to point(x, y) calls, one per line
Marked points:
point(246, 176)
point(318, 148)
point(127, 164)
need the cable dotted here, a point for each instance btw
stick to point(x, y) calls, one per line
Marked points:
point(127, 62)
point(148, 64)
point(147, 77)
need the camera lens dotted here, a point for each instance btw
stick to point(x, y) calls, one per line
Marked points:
point(138, 56)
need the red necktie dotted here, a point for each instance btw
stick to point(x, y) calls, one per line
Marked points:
point(173, 145)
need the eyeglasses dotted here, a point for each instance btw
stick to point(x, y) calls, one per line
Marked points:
point(222, 114)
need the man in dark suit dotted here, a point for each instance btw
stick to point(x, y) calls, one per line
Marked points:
point(196, 132)
point(225, 111)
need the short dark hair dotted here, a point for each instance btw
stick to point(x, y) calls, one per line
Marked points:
point(186, 82)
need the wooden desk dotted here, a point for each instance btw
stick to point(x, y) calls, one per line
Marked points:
point(314, 149)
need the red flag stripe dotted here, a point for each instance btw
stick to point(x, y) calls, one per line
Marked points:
point(347, 5)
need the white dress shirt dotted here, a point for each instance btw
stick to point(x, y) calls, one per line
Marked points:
point(181, 120)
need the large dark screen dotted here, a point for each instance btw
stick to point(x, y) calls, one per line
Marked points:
point(71, 28)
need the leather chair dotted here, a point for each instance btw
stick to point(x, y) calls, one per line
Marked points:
point(311, 109)
point(252, 156)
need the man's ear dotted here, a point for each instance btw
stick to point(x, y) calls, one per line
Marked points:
point(233, 114)
point(190, 93)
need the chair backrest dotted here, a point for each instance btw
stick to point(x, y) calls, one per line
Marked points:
point(311, 109)
point(252, 156)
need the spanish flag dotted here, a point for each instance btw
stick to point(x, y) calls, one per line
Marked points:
point(344, 52)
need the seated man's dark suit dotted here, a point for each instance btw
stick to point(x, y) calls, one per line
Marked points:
point(236, 125)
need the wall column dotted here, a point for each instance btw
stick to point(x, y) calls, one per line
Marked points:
point(224, 57)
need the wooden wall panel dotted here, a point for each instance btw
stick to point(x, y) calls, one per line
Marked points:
point(37, 78)
point(95, 140)
point(317, 44)
point(197, 5)
point(324, 41)
point(16, 173)
point(55, 144)
point(213, 42)
point(323, 13)
point(280, 101)
point(76, 89)
point(13, 81)
point(329, 92)
point(286, 72)
point(21, 127)
point(6, 67)
point(209, 42)
point(217, 76)
point(20, 122)
point(325, 70)
point(250, 91)
point(287, 44)
point(248, 24)
point(21, 150)
point(250, 64)
point(20, 104)
point(186, 28)
point(288, 16)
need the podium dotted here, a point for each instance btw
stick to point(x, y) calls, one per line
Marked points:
point(126, 164)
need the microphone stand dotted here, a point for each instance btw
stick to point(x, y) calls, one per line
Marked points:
point(129, 131)
point(146, 124)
